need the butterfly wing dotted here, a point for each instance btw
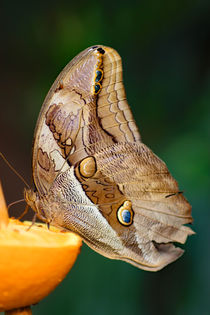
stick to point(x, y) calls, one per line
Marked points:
point(159, 210)
point(86, 125)
point(76, 120)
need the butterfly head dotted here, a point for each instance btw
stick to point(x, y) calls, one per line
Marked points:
point(32, 199)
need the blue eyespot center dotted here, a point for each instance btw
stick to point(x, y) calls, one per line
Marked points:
point(125, 213)
point(99, 75)
point(97, 88)
point(126, 216)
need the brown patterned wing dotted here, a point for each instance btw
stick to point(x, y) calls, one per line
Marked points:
point(85, 122)
point(113, 110)
point(157, 209)
point(85, 110)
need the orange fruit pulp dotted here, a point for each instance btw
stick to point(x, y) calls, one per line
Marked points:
point(32, 262)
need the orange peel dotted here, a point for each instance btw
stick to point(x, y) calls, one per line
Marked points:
point(32, 262)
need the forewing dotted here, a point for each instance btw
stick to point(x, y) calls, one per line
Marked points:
point(85, 110)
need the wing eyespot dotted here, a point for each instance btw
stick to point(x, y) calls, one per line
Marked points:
point(87, 167)
point(101, 50)
point(125, 213)
point(99, 75)
point(97, 88)
point(98, 72)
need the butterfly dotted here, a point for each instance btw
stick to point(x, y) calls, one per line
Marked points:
point(92, 173)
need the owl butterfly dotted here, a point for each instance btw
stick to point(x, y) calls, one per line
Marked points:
point(94, 176)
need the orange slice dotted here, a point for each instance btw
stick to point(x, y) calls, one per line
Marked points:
point(33, 262)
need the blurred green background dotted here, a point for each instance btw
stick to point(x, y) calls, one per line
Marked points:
point(165, 48)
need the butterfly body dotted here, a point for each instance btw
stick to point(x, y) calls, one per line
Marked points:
point(94, 176)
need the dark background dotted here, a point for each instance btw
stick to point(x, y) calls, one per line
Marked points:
point(165, 48)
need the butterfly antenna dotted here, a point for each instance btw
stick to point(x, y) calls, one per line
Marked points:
point(15, 202)
point(14, 170)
